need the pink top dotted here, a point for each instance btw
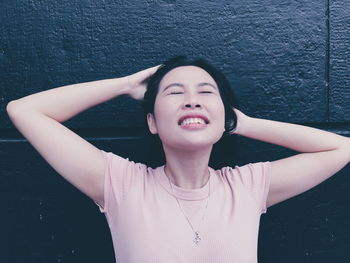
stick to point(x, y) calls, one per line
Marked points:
point(147, 224)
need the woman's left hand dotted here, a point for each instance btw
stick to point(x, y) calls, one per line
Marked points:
point(241, 120)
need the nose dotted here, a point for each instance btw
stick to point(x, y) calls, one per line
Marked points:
point(192, 105)
point(192, 101)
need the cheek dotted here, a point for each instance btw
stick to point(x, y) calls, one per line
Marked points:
point(219, 107)
point(164, 112)
point(220, 115)
point(167, 104)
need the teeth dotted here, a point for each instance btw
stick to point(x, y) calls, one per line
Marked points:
point(192, 120)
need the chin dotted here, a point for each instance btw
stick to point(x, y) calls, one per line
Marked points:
point(193, 144)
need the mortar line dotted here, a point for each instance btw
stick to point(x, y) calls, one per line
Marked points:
point(327, 61)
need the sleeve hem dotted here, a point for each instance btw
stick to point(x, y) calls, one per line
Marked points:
point(267, 186)
point(105, 186)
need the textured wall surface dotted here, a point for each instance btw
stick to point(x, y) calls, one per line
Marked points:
point(339, 51)
point(287, 60)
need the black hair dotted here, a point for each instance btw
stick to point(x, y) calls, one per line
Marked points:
point(226, 93)
point(156, 155)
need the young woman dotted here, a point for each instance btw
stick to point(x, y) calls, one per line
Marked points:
point(183, 211)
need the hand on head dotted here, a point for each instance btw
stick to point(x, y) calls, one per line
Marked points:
point(241, 118)
point(138, 82)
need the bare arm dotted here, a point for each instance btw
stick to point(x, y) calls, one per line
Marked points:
point(38, 117)
point(323, 154)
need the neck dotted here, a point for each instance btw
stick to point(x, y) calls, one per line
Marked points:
point(187, 169)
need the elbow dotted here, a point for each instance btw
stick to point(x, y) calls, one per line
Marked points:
point(12, 108)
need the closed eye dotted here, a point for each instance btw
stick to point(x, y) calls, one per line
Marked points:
point(176, 92)
point(206, 91)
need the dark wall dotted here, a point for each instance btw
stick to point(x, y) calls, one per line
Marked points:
point(287, 60)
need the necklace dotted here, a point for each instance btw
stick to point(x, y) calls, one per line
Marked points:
point(197, 236)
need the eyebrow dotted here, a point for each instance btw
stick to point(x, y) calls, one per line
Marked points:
point(182, 86)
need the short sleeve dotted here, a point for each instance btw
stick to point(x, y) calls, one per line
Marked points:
point(120, 174)
point(256, 178)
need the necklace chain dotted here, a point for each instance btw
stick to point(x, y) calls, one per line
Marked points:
point(197, 237)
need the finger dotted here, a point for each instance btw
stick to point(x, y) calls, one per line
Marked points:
point(147, 73)
point(152, 70)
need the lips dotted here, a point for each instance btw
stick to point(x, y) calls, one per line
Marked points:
point(193, 119)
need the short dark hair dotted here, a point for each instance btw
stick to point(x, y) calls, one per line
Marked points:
point(226, 92)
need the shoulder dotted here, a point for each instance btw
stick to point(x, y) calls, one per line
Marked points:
point(116, 162)
point(252, 179)
point(246, 173)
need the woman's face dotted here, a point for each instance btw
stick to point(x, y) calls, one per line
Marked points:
point(188, 112)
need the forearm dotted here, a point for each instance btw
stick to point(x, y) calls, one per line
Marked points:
point(65, 102)
point(296, 137)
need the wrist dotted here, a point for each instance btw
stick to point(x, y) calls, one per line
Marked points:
point(243, 123)
point(124, 84)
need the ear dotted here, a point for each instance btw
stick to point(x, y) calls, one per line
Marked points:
point(151, 121)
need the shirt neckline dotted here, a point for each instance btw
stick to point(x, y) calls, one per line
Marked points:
point(184, 193)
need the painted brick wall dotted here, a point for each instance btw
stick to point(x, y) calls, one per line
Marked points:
point(287, 60)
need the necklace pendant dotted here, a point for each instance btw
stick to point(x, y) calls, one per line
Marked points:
point(197, 238)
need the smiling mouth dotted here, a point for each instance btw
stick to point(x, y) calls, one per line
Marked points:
point(193, 121)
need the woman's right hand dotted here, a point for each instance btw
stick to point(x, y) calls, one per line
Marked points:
point(138, 82)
